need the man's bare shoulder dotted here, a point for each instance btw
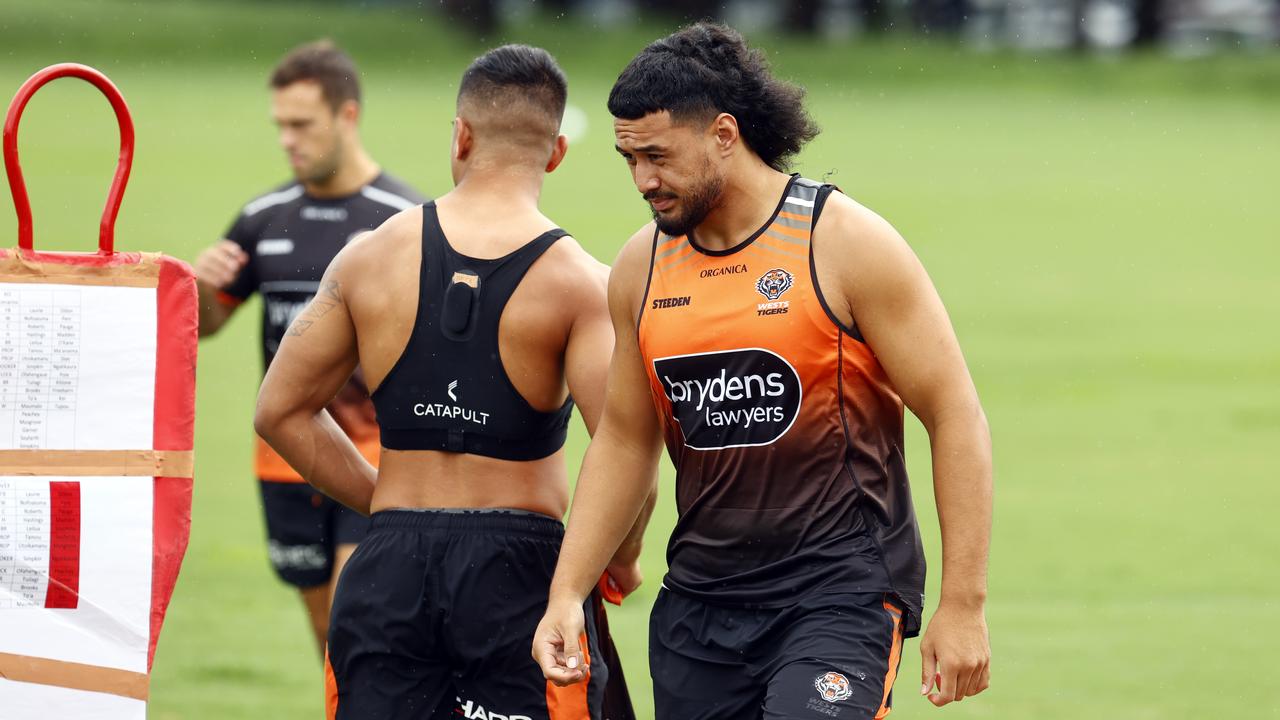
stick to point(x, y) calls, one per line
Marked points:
point(576, 276)
point(850, 225)
point(583, 281)
point(369, 255)
point(631, 266)
point(864, 255)
point(630, 273)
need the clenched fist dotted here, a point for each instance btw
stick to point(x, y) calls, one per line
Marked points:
point(219, 264)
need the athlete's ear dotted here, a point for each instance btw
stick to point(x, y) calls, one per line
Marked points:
point(349, 112)
point(558, 152)
point(724, 130)
point(463, 139)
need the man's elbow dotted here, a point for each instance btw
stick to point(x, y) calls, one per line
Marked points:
point(268, 418)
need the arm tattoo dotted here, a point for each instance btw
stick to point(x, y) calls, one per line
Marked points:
point(319, 306)
point(331, 289)
point(300, 326)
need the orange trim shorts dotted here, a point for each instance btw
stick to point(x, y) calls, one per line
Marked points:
point(831, 655)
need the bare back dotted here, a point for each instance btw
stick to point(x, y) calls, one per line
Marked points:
point(550, 342)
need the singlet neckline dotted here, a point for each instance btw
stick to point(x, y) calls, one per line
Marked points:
point(786, 193)
point(448, 246)
point(340, 198)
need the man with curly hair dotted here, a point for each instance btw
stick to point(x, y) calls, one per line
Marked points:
point(778, 328)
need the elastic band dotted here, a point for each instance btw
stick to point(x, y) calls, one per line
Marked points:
point(458, 520)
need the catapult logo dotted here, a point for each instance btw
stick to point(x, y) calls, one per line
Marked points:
point(731, 398)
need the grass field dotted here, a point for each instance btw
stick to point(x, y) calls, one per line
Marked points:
point(1104, 232)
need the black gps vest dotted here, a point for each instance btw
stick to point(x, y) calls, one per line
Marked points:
point(448, 391)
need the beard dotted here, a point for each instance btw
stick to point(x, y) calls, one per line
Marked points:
point(324, 168)
point(695, 206)
point(319, 173)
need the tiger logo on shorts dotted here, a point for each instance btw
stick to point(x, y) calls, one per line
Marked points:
point(775, 282)
point(833, 687)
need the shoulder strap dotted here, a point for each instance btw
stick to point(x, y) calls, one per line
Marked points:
point(648, 280)
point(432, 243)
point(507, 275)
point(820, 200)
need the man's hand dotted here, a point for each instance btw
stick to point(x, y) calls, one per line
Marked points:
point(624, 577)
point(558, 641)
point(956, 654)
point(219, 264)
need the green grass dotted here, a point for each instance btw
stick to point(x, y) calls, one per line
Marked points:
point(1104, 232)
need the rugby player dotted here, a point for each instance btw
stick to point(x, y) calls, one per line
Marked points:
point(479, 324)
point(279, 247)
point(778, 327)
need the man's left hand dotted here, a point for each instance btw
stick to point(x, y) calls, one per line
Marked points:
point(956, 654)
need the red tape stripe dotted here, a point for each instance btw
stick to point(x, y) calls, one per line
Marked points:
point(64, 546)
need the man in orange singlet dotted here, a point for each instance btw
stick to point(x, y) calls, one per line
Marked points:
point(778, 328)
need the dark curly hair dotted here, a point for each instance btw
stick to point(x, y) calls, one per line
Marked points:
point(706, 69)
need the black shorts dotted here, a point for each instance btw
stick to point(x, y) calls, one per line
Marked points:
point(827, 656)
point(304, 527)
point(434, 618)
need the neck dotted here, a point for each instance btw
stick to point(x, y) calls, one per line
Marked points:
point(747, 201)
point(510, 186)
point(355, 171)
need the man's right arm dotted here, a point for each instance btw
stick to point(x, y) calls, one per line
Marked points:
point(216, 268)
point(616, 477)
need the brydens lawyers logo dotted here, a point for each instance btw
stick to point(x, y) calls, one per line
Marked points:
point(730, 398)
point(833, 687)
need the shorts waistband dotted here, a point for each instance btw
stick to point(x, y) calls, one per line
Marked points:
point(452, 520)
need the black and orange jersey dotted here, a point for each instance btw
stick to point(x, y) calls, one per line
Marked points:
point(785, 432)
point(290, 238)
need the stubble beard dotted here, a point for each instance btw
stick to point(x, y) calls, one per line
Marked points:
point(325, 168)
point(697, 205)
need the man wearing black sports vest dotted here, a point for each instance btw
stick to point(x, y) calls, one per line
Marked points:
point(796, 567)
point(478, 324)
point(279, 246)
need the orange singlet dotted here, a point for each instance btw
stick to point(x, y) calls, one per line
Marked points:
point(785, 431)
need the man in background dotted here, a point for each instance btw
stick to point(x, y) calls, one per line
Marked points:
point(279, 246)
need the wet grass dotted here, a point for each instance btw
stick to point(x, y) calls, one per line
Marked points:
point(1103, 231)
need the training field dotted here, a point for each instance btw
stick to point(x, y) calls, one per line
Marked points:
point(1105, 233)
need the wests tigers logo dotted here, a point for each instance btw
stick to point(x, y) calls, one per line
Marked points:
point(833, 687)
point(775, 282)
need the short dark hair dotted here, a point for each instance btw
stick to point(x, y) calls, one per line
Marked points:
point(324, 63)
point(705, 69)
point(529, 74)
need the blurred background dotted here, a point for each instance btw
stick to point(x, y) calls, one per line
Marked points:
point(1092, 185)
point(1183, 27)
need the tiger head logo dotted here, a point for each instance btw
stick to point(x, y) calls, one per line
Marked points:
point(833, 687)
point(775, 282)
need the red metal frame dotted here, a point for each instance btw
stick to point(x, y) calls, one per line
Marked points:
point(21, 203)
